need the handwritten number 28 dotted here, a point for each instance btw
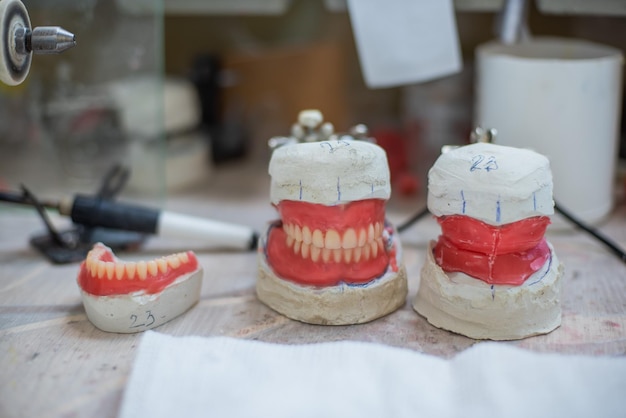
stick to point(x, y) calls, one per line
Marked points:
point(480, 162)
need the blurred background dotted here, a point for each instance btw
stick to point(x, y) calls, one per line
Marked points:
point(178, 90)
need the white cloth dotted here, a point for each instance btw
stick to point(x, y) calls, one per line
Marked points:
point(225, 377)
point(405, 41)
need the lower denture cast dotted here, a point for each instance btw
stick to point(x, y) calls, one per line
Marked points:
point(127, 297)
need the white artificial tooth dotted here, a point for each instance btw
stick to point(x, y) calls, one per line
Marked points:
point(381, 245)
point(366, 252)
point(142, 270)
point(315, 253)
point(162, 264)
point(289, 241)
point(370, 233)
point(362, 237)
point(337, 256)
point(378, 229)
point(153, 268)
point(358, 251)
point(131, 268)
point(183, 257)
point(306, 235)
point(326, 254)
point(93, 269)
point(110, 269)
point(347, 255)
point(332, 240)
point(296, 247)
point(173, 261)
point(288, 229)
point(119, 271)
point(304, 250)
point(101, 269)
point(318, 238)
point(374, 248)
point(349, 239)
point(297, 233)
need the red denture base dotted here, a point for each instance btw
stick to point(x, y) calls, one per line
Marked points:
point(506, 254)
point(305, 263)
point(152, 284)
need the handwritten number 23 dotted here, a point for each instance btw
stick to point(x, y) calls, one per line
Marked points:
point(149, 320)
point(480, 162)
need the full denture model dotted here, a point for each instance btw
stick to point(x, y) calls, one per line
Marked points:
point(331, 258)
point(128, 297)
point(491, 274)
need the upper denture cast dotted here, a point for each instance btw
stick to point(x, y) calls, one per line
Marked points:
point(329, 172)
point(492, 183)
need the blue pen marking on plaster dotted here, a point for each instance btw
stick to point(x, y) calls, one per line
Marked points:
point(545, 273)
point(493, 293)
point(534, 201)
point(464, 202)
point(372, 193)
point(498, 210)
point(300, 189)
point(338, 190)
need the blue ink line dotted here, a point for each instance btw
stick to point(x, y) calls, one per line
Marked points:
point(372, 189)
point(300, 189)
point(464, 202)
point(546, 273)
point(498, 211)
point(338, 190)
point(534, 201)
point(493, 293)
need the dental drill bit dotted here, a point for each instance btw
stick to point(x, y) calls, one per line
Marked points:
point(44, 40)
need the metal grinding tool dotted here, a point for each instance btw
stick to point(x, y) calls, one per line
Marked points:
point(18, 41)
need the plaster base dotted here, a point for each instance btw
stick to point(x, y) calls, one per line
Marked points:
point(476, 309)
point(140, 312)
point(342, 304)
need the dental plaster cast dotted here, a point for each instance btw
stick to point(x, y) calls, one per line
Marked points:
point(491, 274)
point(128, 297)
point(331, 258)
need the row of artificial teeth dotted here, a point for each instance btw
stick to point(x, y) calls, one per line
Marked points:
point(349, 255)
point(332, 239)
point(141, 269)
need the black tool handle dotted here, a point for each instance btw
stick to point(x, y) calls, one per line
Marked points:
point(94, 211)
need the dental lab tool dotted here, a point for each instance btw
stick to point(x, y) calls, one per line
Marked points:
point(18, 41)
point(99, 218)
point(95, 211)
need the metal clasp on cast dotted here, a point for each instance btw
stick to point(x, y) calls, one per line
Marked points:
point(311, 127)
point(478, 134)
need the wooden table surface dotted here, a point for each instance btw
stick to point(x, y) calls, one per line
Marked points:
point(55, 363)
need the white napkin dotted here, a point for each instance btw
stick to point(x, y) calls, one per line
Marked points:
point(405, 41)
point(225, 377)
